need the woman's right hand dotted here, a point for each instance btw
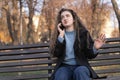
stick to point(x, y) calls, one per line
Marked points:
point(62, 32)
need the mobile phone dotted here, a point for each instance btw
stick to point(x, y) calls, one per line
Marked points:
point(62, 27)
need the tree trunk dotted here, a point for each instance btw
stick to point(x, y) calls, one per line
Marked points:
point(15, 24)
point(12, 20)
point(8, 18)
point(117, 12)
point(95, 26)
point(30, 34)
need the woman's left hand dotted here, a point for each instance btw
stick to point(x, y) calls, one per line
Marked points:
point(99, 41)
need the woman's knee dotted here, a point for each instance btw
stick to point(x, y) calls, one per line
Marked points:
point(81, 70)
point(62, 73)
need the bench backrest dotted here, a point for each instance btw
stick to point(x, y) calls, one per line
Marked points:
point(24, 62)
point(33, 62)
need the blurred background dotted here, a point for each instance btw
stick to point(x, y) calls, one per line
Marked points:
point(32, 21)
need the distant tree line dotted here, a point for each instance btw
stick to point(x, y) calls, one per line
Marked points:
point(18, 18)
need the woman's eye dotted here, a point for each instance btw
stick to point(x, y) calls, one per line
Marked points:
point(62, 17)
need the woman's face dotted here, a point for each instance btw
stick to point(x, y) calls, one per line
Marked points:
point(67, 19)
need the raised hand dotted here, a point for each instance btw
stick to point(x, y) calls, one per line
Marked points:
point(98, 43)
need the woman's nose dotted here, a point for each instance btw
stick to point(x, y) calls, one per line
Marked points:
point(65, 18)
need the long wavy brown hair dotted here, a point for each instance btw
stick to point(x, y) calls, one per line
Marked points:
point(78, 26)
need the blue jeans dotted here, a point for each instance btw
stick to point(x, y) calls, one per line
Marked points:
point(72, 72)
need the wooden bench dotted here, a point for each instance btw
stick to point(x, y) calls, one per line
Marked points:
point(32, 62)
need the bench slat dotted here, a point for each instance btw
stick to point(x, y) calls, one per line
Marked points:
point(110, 78)
point(25, 69)
point(25, 46)
point(111, 50)
point(25, 63)
point(21, 52)
point(107, 57)
point(104, 71)
point(21, 57)
point(110, 46)
point(105, 63)
point(25, 77)
point(117, 39)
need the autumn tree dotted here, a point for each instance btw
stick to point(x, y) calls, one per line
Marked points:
point(11, 9)
point(4, 36)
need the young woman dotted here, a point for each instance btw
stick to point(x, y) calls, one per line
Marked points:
point(72, 44)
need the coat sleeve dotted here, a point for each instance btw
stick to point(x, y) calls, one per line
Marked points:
point(59, 49)
point(89, 47)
